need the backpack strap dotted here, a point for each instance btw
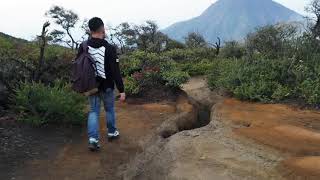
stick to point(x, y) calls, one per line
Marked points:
point(85, 46)
point(85, 50)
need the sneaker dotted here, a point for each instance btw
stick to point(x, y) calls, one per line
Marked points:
point(112, 136)
point(94, 144)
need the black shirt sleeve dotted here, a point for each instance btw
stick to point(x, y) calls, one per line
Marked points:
point(116, 73)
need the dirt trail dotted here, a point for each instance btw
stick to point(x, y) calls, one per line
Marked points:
point(179, 140)
point(242, 141)
point(74, 162)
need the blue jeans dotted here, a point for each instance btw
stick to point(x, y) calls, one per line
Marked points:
point(93, 120)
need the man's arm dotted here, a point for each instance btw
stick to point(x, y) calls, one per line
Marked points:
point(116, 70)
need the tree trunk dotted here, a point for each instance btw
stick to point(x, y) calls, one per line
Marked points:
point(43, 43)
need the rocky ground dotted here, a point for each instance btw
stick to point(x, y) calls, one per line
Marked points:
point(201, 135)
point(20, 143)
point(241, 141)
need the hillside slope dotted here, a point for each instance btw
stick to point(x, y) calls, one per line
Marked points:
point(232, 20)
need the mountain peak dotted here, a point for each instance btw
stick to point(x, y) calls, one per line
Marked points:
point(233, 19)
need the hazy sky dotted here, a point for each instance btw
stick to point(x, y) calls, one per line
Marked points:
point(24, 18)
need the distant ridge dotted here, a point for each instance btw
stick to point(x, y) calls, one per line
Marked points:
point(233, 19)
point(6, 36)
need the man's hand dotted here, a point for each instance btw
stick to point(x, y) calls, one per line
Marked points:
point(122, 97)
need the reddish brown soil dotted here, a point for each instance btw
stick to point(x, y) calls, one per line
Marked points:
point(73, 161)
point(304, 167)
point(293, 131)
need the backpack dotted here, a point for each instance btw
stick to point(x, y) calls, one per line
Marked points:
point(83, 76)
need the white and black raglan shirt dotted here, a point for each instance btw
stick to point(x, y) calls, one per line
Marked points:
point(107, 63)
point(98, 55)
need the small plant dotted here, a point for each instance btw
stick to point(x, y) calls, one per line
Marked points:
point(172, 75)
point(132, 86)
point(310, 91)
point(175, 79)
point(130, 64)
point(38, 104)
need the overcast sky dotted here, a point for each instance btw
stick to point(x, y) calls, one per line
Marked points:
point(24, 18)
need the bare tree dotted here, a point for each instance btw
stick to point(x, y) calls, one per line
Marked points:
point(314, 8)
point(217, 45)
point(127, 34)
point(120, 35)
point(67, 20)
point(146, 34)
point(146, 37)
point(43, 38)
point(85, 29)
point(195, 40)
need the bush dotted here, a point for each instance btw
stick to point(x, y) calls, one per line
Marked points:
point(203, 67)
point(268, 80)
point(224, 74)
point(195, 40)
point(232, 49)
point(193, 55)
point(144, 71)
point(273, 41)
point(261, 80)
point(175, 79)
point(38, 104)
point(310, 91)
point(131, 63)
point(132, 86)
point(172, 74)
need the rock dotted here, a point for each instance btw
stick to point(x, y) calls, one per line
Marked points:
point(202, 158)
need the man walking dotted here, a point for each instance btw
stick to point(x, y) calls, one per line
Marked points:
point(108, 74)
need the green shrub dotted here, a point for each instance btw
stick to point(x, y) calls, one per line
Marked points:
point(273, 41)
point(281, 93)
point(268, 80)
point(259, 80)
point(224, 74)
point(232, 49)
point(173, 44)
point(197, 68)
point(38, 104)
point(132, 86)
point(258, 91)
point(172, 75)
point(194, 55)
point(5, 43)
point(131, 63)
point(310, 91)
point(175, 79)
point(144, 71)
